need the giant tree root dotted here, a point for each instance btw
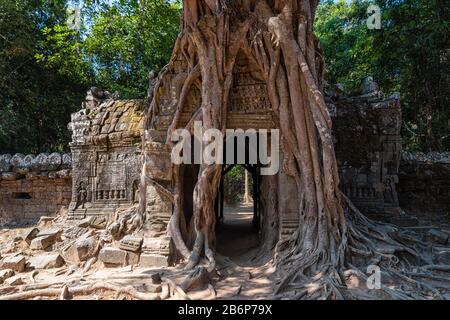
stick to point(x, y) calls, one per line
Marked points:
point(85, 290)
point(399, 253)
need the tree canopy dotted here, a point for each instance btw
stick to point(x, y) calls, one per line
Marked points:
point(410, 54)
point(46, 66)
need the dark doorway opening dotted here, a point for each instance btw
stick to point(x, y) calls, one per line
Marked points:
point(237, 228)
point(22, 195)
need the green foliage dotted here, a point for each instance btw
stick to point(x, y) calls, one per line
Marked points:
point(414, 50)
point(347, 42)
point(46, 67)
point(32, 98)
point(410, 54)
point(118, 45)
point(234, 185)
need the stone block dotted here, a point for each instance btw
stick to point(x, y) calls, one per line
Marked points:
point(153, 260)
point(98, 222)
point(42, 242)
point(83, 249)
point(5, 274)
point(159, 245)
point(47, 261)
point(111, 256)
point(14, 281)
point(130, 243)
point(29, 235)
point(56, 232)
point(16, 263)
point(115, 257)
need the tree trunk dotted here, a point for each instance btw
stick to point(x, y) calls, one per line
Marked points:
point(247, 199)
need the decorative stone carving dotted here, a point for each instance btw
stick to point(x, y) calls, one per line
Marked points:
point(368, 146)
point(106, 139)
point(424, 182)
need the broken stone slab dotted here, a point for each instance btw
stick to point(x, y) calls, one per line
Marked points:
point(46, 238)
point(130, 243)
point(16, 263)
point(14, 281)
point(56, 232)
point(47, 261)
point(159, 246)
point(83, 249)
point(29, 235)
point(42, 242)
point(115, 257)
point(5, 274)
point(153, 260)
point(84, 223)
point(74, 232)
point(44, 220)
point(438, 236)
point(98, 222)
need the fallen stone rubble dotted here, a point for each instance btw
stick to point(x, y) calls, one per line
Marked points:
point(56, 259)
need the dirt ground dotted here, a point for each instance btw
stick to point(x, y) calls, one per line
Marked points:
point(242, 273)
point(239, 276)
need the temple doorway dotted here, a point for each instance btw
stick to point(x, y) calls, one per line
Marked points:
point(237, 210)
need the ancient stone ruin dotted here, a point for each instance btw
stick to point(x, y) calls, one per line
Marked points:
point(424, 182)
point(32, 186)
point(368, 147)
point(106, 140)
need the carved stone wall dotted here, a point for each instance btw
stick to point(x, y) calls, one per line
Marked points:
point(106, 140)
point(33, 186)
point(424, 182)
point(368, 147)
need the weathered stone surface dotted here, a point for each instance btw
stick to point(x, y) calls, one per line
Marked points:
point(424, 182)
point(55, 232)
point(47, 261)
point(84, 223)
point(16, 263)
point(5, 274)
point(45, 220)
point(14, 281)
point(156, 245)
point(43, 242)
point(27, 193)
point(98, 222)
point(438, 236)
point(29, 235)
point(118, 125)
point(84, 249)
point(130, 243)
point(153, 260)
point(366, 129)
point(74, 232)
point(114, 257)
point(132, 258)
point(111, 256)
